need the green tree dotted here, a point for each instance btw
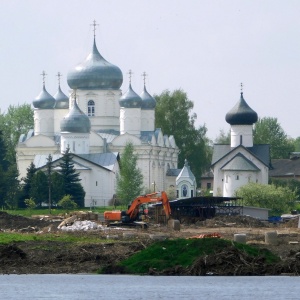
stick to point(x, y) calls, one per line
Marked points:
point(71, 180)
point(297, 144)
point(13, 189)
point(67, 203)
point(268, 131)
point(30, 204)
point(277, 198)
point(130, 179)
point(26, 187)
point(49, 172)
point(39, 188)
point(16, 121)
point(8, 177)
point(57, 191)
point(173, 115)
point(292, 184)
point(223, 138)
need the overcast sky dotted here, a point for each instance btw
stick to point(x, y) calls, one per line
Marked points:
point(206, 48)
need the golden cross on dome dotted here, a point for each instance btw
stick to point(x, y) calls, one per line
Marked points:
point(94, 24)
point(130, 75)
point(44, 76)
point(144, 75)
point(58, 76)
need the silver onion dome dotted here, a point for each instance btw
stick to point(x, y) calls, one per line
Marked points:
point(75, 121)
point(241, 114)
point(95, 73)
point(130, 99)
point(61, 100)
point(44, 100)
point(148, 102)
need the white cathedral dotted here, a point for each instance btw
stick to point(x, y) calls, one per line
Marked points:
point(95, 122)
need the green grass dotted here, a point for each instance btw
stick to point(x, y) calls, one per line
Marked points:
point(7, 238)
point(55, 212)
point(170, 253)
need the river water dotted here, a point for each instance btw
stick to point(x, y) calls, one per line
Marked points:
point(125, 287)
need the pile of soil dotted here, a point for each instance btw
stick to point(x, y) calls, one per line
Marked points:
point(234, 221)
point(52, 257)
point(293, 223)
point(16, 223)
point(234, 262)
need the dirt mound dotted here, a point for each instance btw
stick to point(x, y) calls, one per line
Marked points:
point(11, 252)
point(229, 261)
point(53, 257)
point(14, 222)
point(234, 262)
point(293, 223)
point(234, 221)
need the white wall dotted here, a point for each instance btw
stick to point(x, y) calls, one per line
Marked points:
point(107, 108)
point(43, 121)
point(99, 185)
point(219, 176)
point(147, 120)
point(130, 121)
point(246, 131)
point(77, 142)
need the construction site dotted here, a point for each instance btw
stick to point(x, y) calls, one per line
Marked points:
point(107, 243)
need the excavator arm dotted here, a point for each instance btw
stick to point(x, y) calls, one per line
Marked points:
point(133, 210)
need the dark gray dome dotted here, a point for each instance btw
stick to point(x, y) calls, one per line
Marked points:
point(44, 100)
point(61, 100)
point(130, 99)
point(241, 114)
point(75, 121)
point(95, 73)
point(148, 101)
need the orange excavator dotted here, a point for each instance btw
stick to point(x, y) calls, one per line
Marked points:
point(131, 217)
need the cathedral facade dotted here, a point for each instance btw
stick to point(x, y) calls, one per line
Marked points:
point(95, 122)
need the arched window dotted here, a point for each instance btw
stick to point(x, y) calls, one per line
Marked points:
point(91, 108)
point(184, 190)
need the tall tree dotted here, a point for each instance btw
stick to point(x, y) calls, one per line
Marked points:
point(297, 144)
point(13, 190)
point(49, 173)
point(268, 131)
point(173, 114)
point(27, 182)
point(17, 120)
point(71, 180)
point(39, 188)
point(130, 179)
point(57, 192)
point(8, 177)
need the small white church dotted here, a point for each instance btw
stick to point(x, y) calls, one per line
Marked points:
point(95, 122)
point(240, 162)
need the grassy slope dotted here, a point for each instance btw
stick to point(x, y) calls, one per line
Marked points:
point(8, 238)
point(170, 253)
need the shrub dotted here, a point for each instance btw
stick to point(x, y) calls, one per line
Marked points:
point(67, 203)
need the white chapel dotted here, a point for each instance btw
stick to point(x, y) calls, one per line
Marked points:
point(95, 122)
point(242, 161)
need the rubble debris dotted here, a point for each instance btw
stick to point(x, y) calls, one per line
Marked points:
point(234, 221)
point(206, 235)
point(81, 226)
